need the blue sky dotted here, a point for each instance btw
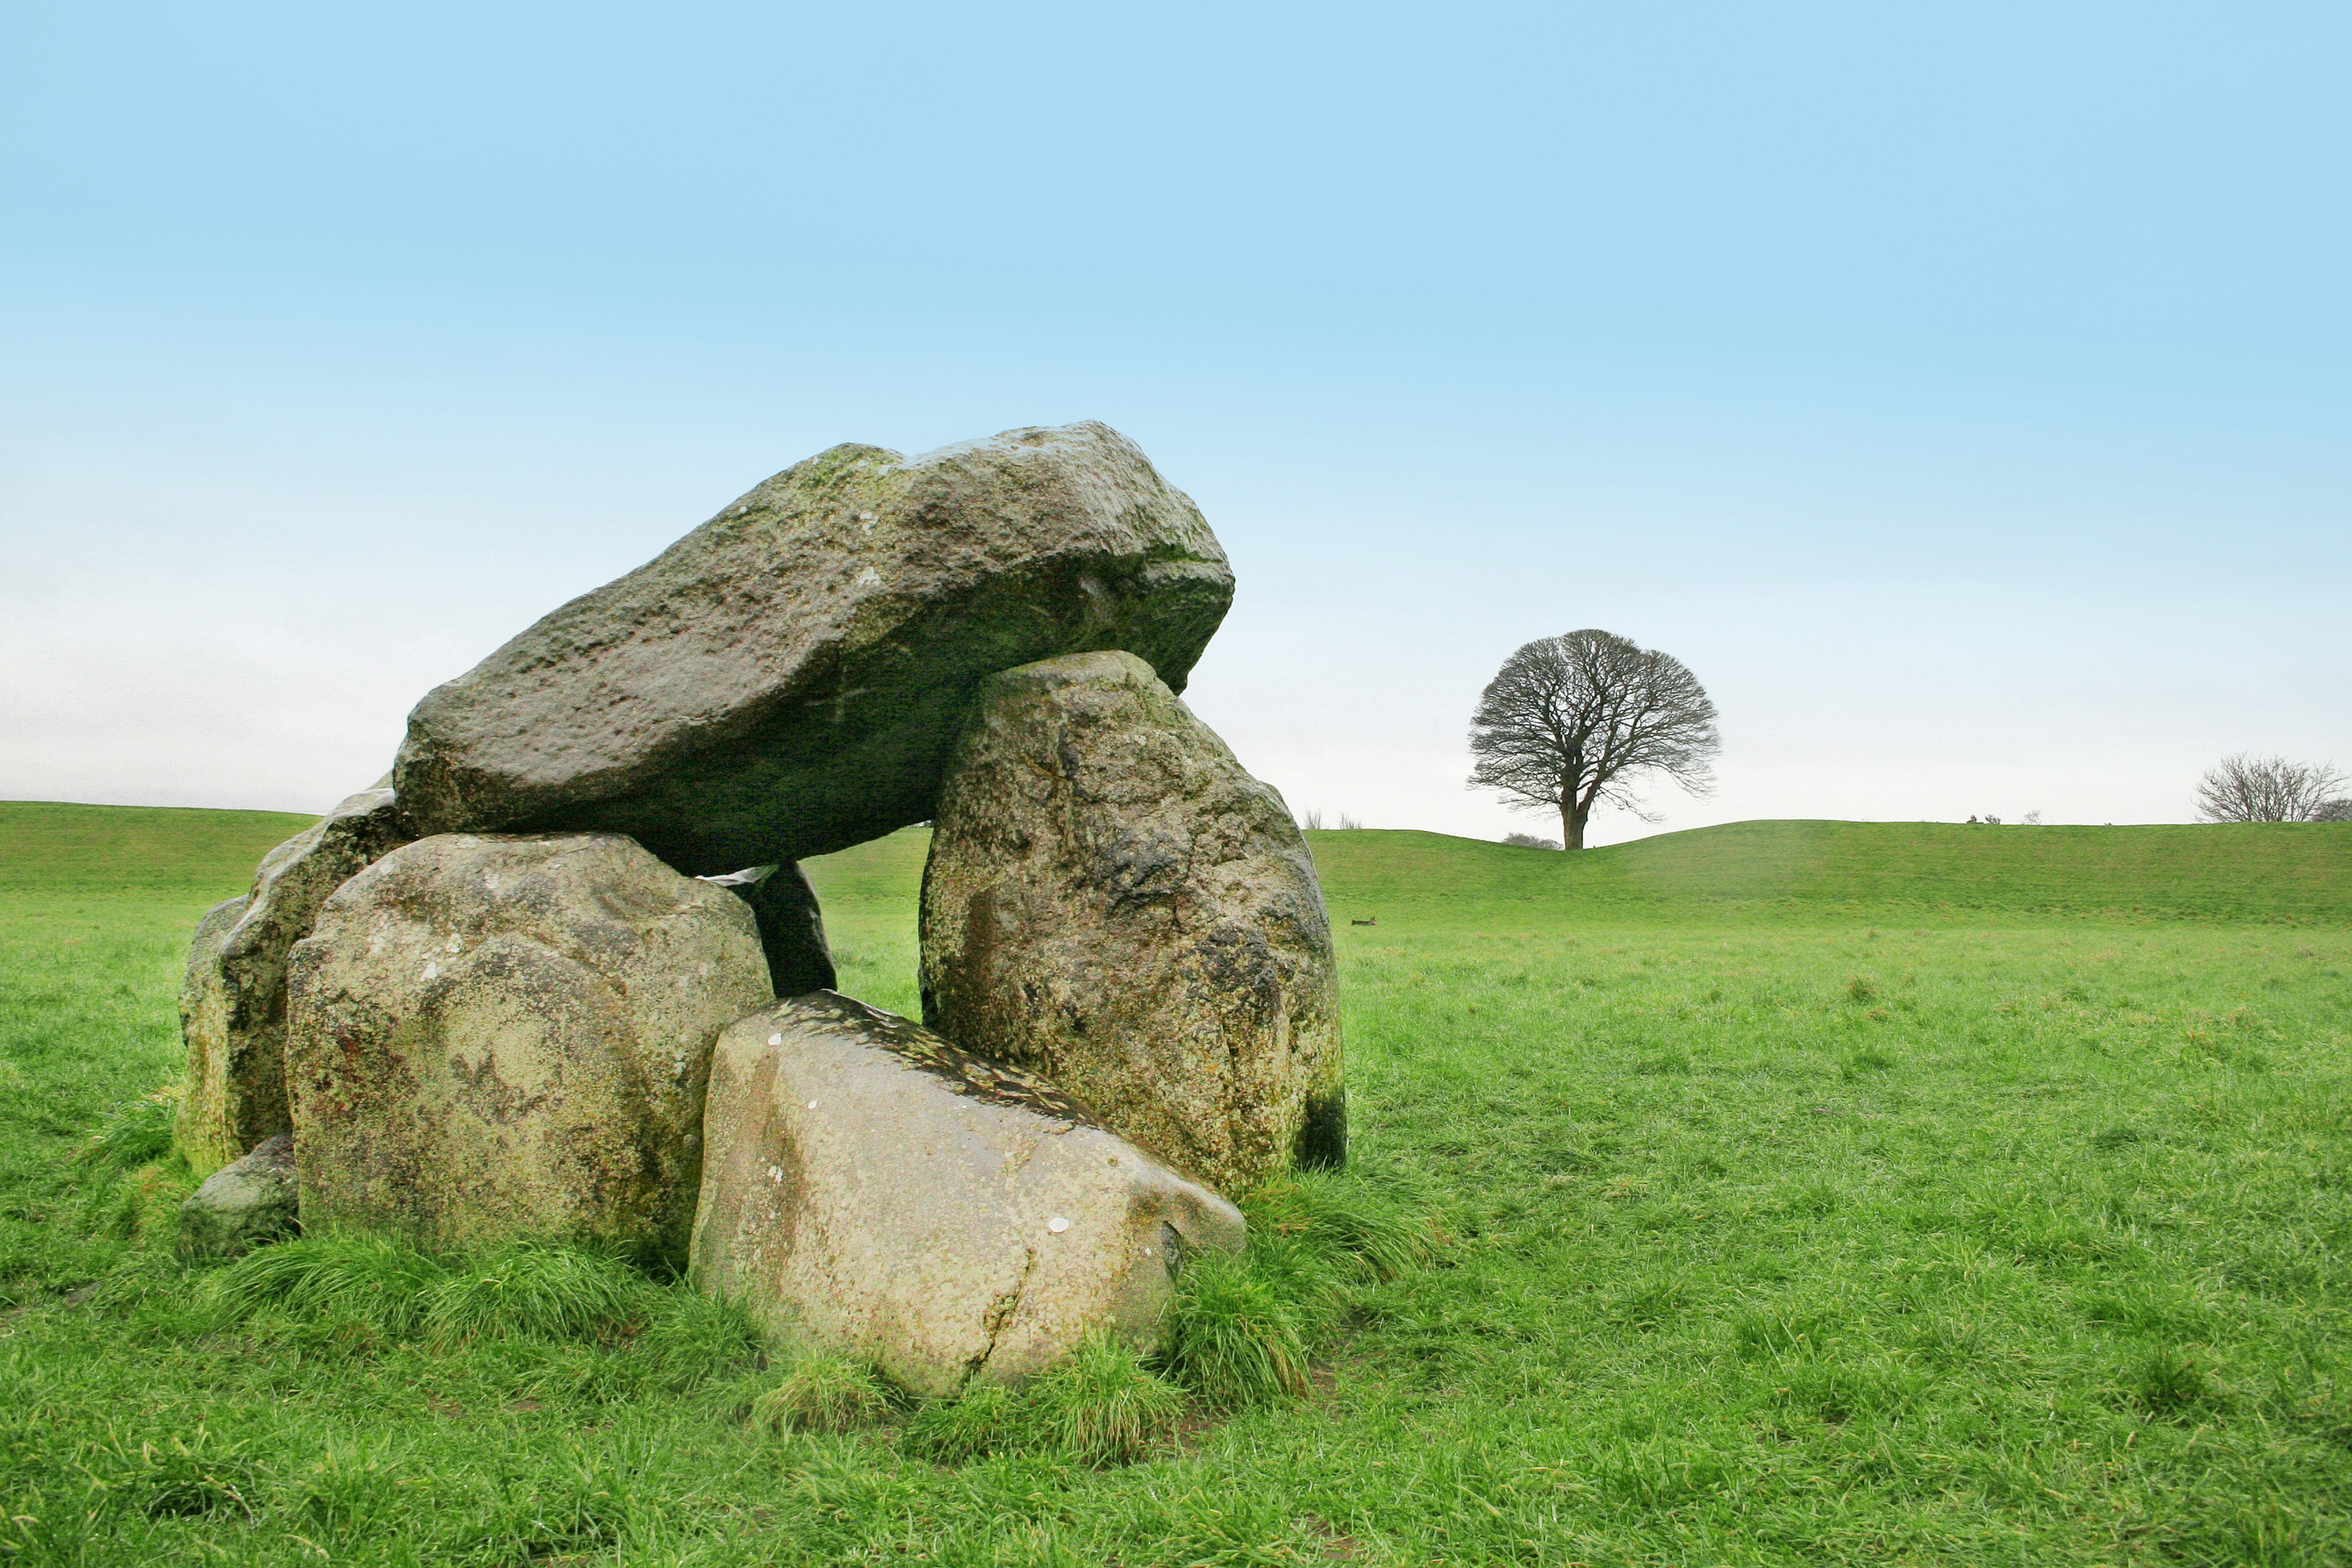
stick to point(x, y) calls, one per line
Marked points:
point(1962, 394)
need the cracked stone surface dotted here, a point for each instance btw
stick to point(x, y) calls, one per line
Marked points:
point(868, 1187)
point(786, 680)
point(1113, 902)
point(494, 1035)
point(233, 999)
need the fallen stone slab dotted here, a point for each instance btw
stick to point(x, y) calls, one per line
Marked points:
point(869, 1188)
point(786, 680)
point(1112, 902)
point(233, 998)
point(497, 1036)
point(247, 1203)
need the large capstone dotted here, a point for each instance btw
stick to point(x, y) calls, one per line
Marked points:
point(247, 1203)
point(233, 999)
point(495, 1036)
point(869, 1188)
point(786, 680)
point(1112, 902)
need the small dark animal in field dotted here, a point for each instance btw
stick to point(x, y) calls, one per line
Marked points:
point(1373, 921)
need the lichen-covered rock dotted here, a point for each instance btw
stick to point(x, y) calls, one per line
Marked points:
point(233, 1000)
point(245, 1203)
point(205, 1130)
point(494, 1036)
point(1112, 902)
point(786, 680)
point(869, 1188)
point(791, 926)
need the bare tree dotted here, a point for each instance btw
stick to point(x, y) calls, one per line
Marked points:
point(1572, 722)
point(2338, 810)
point(2267, 789)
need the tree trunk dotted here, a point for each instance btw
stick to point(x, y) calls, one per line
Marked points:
point(1571, 825)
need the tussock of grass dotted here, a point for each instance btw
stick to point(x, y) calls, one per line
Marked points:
point(130, 1181)
point(180, 1478)
point(1243, 1330)
point(1236, 1336)
point(535, 1289)
point(127, 1205)
point(527, 1289)
point(1351, 1227)
point(2172, 1384)
point(824, 1391)
point(689, 1339)
point(1103, 1406)
point(134, 1133)
point(986, 1418)
point(374, 1280)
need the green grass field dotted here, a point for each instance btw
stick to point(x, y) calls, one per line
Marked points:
point(1807, 1192)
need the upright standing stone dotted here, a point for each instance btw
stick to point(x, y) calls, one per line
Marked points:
point(786, 680)
point(500, 1035)
point(233, 1000)
point(206, 1125)
point(1111, 901)
point(872, 1189)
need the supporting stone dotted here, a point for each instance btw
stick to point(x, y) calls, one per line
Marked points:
point(233, 999)
point(792, 927)
point(495, 1036)
point(1113, 902)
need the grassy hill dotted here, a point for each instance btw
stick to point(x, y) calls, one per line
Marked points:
point(52, 848)
point(2282, 871)
point(1806, 1193)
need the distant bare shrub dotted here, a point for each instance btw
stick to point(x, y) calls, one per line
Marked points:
point(2268, 789)
point(1529, 841)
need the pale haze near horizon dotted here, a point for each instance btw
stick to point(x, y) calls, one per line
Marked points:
point(1962, 399)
